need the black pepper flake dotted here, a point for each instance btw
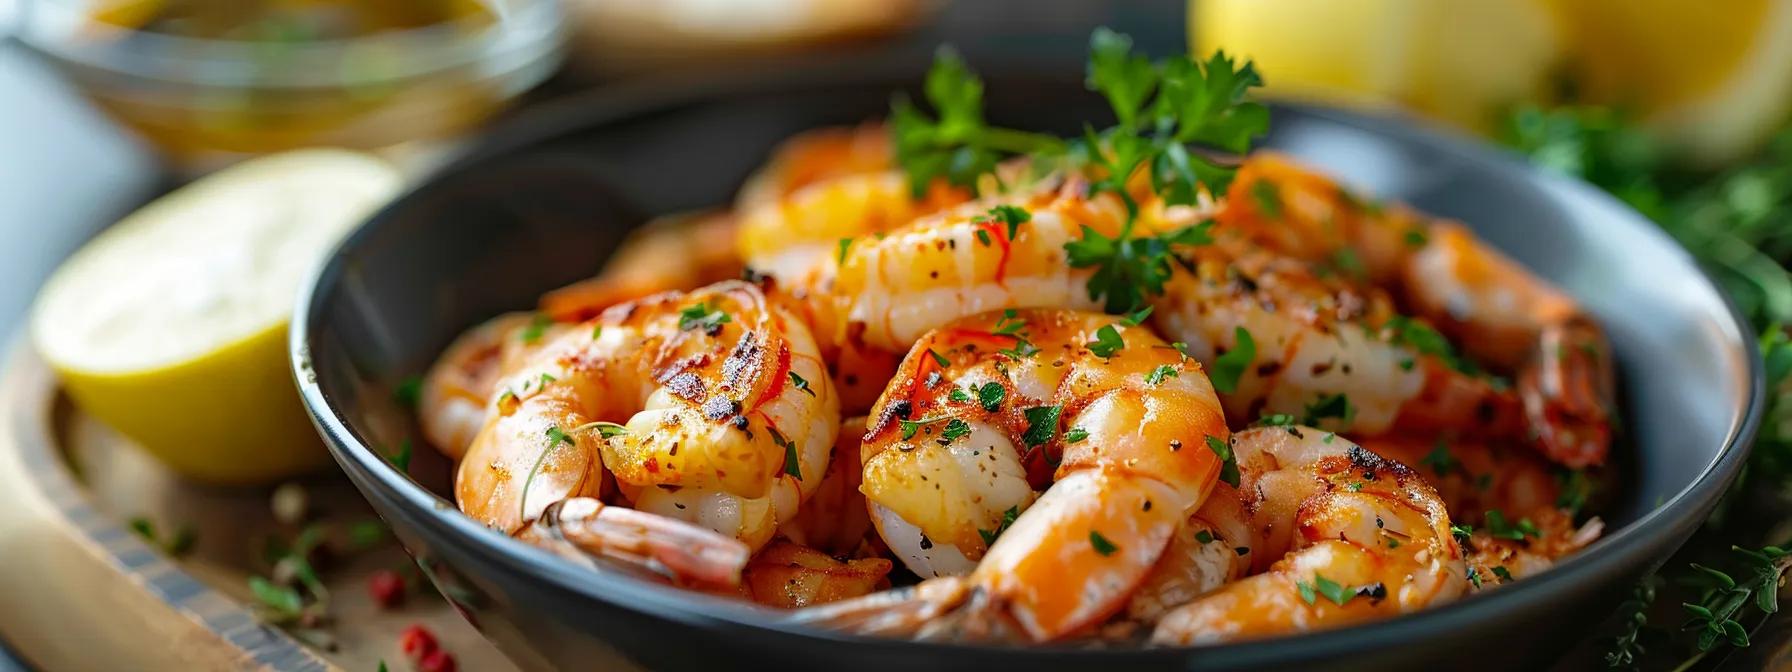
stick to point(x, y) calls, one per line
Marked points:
point(1175, 445)
point(926, 544)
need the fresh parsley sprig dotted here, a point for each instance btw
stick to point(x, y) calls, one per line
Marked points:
point(1161, 107)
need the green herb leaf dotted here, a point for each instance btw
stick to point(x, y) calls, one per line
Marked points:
point(1101, 544)
point(1075, 434)
point(1439, 459)
point(407, 392)
point(538, 325)
point(990, 396)
point(1229, 368)
point(800, 383)
point(1107, 342)
point(1332, 590)
point(1008, 517)
point(1228, 461)
point(699, 316)
point(955, 429)
point(1160, 374)
point(1336, 406)
point(792, 465)
point(1042, 424)
point(401, 459)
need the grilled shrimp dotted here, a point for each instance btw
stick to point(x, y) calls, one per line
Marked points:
point(1323, 352)
point(675, 252)
point(1341, 535)
point(1126, 420)
point(1209, 550)
point(968, 260)
point(1522, 511)
point(709, 407)
point(452, 402)
point(1500, 312)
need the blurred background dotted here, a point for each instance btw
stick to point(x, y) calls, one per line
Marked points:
point(1678, 108)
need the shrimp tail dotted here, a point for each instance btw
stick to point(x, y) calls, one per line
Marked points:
point(948, 608)
point(684, 553)
point(1567, 393)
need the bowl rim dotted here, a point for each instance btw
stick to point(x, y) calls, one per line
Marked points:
point(1639, 543)
point(530, 30)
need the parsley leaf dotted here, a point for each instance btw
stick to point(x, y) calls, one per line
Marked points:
point(1228, 461)
point(1101, 544)
point(1160, 374)
point(1042, 424)
point(1107, 342)
point(990, 396)
point(1008, 517)
point(1075, 434)
point(1500, 528)
point(538, 325)
point(800, 383)
point(791, 465)
point(1329, 406)
point(955, 428)
point(1230, 367)
point(699, 316)
point(958, 146)
point(1439, 459)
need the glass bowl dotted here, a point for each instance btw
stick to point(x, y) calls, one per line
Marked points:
point(206, 100)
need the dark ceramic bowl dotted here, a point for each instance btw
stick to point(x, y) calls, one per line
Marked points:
point(548, 197)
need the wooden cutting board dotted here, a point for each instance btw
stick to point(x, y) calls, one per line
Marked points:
point(80, 590)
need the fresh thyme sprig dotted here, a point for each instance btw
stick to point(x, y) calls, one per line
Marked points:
point(1160, 107)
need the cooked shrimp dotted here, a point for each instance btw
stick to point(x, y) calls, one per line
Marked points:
point(1342, 536)
point(1321, 351)
point(1210, 549)
point(676, 252)
point(1126, 420)
point(791, 576)
point(817, 155)
point(1523, 517)
point(581, 528)
point(726, 417)
point(968, 260)
point(1501, 313)
point(455, 393)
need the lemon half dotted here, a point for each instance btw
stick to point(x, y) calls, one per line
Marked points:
point(171, 325)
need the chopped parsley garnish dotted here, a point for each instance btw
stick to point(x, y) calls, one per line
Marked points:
point(401, 459)
point(1421, 338)
point(1009, 324)
point(604, 429)
point(1416, 238)
point(1274, 420)
point(699, 316)
point(959, 395)
point(1107, 342)
point(1228, 461)
point(597, 332)
point(1474, 577)
point(938, 358)
point(1502, 572)
point(990, 396)
point(1268, 198)
point(1101, 544)
point(538, 325)
point(1329, 406)
point(1332, 590)
point(955, 429)
point(1075, 434)
point(1575, 489)
point(1346, 261)
point(958, 146)
point(1042, 424)
point(791, 465)
point(1160, 374)
point(1500, 528)
point(1203, 537)
point(407, 392)
point(1011, 215)
point(1439, 459)
point(1137, 317)
point(1230, 367)
point(800, 383)
point(1462, 533)
point(989, 538)
point(840, 257)
point(1022, 349)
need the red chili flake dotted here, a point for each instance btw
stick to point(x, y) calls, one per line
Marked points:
point(417, 642)
point(436, 661)
point(387, 588)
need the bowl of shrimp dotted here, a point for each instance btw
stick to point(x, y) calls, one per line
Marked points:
point(769, 372)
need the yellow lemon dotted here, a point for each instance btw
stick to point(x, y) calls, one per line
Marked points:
point(1714, 77)
point(1459, 60)
point(171, 325)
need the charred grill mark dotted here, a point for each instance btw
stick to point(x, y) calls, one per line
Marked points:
point(686, 385)
point(744, 360)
